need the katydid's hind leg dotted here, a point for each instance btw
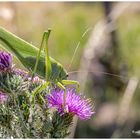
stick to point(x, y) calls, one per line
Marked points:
point(72, 82)
point(48, 65)
point(64, 96)
point(38, 56)
point(44, 38)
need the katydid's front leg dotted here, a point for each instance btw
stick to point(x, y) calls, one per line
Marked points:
point(38, 90)
point(72, 82)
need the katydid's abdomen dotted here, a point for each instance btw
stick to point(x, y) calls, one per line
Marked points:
point(27, 54)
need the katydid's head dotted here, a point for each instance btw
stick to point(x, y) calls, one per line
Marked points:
point(63, 73)
point(58, 72)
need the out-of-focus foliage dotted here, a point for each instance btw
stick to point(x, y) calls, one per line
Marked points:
point(68, 22)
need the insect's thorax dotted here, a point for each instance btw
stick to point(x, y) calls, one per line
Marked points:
point(58, 73)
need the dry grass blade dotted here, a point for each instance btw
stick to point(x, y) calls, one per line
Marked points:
point(125, 104)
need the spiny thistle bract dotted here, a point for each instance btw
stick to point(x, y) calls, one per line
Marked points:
point(23, 116)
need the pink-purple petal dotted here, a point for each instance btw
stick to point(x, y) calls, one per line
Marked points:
point(3, 97)
point(75, 103)
point(5, 61)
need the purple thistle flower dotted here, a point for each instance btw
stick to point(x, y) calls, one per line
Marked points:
point(20, 72)
point(36, 79)
point(5, 61)
point(3, 97)
point(75, 104)
point(28, 77)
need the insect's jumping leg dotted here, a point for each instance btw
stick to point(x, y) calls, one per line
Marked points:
point(44, 38)
point(64, 96)
point(38, 56)
point(72, 82)
point(48, 64)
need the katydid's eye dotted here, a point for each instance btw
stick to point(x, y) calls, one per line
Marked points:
point(67, 75)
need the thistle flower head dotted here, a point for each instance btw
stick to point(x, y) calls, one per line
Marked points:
point(20, 72)
point(5, 61)
point(75, 103)
point(3, 97)
point(36, 80)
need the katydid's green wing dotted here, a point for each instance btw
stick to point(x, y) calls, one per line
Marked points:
point(24, 51)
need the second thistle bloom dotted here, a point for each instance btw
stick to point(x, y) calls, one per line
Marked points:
point(20, 72)
point(75, 104)
point(5, 61)
point(3, 97)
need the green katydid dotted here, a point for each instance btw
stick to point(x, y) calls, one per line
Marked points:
point(37, 60)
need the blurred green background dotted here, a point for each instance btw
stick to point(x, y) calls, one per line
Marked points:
point(69, 21)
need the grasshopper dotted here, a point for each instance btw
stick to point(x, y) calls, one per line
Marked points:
point(37, 60)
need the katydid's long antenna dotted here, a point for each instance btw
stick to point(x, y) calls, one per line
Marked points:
point(106, 73)
point(77, 46)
